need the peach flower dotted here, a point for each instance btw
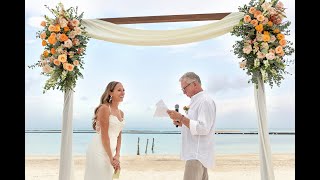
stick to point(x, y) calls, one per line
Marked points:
point(75, 22)
point(260, 17)
point(51, 28)
point(46, 68)
point(270, 56)
point(68, 44)
point(76, 62)
point(43, 23)
point(257, 13)
point(252, 10)
point(282, 42)
point(62, 58)
point(247, 49)
point(260, 55)
point(68, 67)
point(43, 35)
point(243, 64)
point(247, 18)
point(272, 51)
point(279, 49)
point(56, 62)
point(254, 22)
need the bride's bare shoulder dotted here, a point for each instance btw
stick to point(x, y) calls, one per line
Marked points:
point(104, 110)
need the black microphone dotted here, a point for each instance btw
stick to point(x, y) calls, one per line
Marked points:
point(176, 107)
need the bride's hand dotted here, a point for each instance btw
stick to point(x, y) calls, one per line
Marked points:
point(115, 163)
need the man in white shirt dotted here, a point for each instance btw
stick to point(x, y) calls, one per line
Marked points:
point(197, 129)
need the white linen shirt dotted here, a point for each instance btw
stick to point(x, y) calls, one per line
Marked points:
point(198, 141)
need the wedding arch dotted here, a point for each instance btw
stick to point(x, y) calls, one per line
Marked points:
point(65, 39)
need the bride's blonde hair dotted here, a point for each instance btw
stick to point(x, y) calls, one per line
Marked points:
point(105, 99)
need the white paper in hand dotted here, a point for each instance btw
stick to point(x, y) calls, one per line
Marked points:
point(161, 109)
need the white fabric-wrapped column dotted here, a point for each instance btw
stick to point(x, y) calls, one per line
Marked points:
point(66, 162)
point(266, 166)
point(107, 31)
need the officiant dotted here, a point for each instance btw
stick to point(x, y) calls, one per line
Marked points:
point(197, 128)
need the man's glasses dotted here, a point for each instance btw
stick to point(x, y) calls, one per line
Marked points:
point(184, 88)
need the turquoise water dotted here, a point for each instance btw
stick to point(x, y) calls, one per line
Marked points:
point(164, 144)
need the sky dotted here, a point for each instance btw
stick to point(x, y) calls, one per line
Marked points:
point(151, 73)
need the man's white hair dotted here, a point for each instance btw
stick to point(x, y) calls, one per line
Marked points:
point(190, 77)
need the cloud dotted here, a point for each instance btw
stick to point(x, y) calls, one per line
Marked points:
point(84, 98)
point(35, 21)
point(222, 83)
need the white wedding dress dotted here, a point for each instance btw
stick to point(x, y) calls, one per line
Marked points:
point(98, 166)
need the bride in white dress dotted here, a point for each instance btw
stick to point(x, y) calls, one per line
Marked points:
point(103, 153)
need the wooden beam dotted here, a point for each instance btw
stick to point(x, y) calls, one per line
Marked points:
point(167, 18)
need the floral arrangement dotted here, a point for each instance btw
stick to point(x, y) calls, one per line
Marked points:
point(64, 40)
point(263, 45)
point(186, 109)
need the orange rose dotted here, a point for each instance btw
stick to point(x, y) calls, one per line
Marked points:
point(66, 29)
point(276, 31)
point(266, 38)
point(53, 50)
point(259, 28)
point(57, 28)
point(270, 23)
point(280, 36)
point(44, 42)
point(63, 37)
point(45, 53)
point(52, 38)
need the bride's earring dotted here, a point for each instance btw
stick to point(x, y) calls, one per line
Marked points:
point(110, 99)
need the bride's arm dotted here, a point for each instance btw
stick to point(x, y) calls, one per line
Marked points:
point(103, 117)
point(117, 155)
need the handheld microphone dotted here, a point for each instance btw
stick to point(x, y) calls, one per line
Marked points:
point(176, 107)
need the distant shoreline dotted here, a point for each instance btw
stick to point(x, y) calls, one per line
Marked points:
point(165, 132)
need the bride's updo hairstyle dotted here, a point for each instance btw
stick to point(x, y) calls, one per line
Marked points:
point(105, 99)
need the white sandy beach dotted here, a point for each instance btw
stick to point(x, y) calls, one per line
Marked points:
point(166, 167)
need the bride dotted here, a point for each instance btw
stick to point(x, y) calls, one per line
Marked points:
point(103, 153)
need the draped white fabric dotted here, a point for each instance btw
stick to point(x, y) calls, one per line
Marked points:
point(107, 31)
point(266, 166)
point(66, 171)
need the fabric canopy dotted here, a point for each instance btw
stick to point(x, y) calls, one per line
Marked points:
point(107, 31)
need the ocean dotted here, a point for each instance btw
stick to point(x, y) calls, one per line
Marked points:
point(48, 142)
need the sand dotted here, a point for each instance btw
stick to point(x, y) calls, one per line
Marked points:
point(167, 167)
